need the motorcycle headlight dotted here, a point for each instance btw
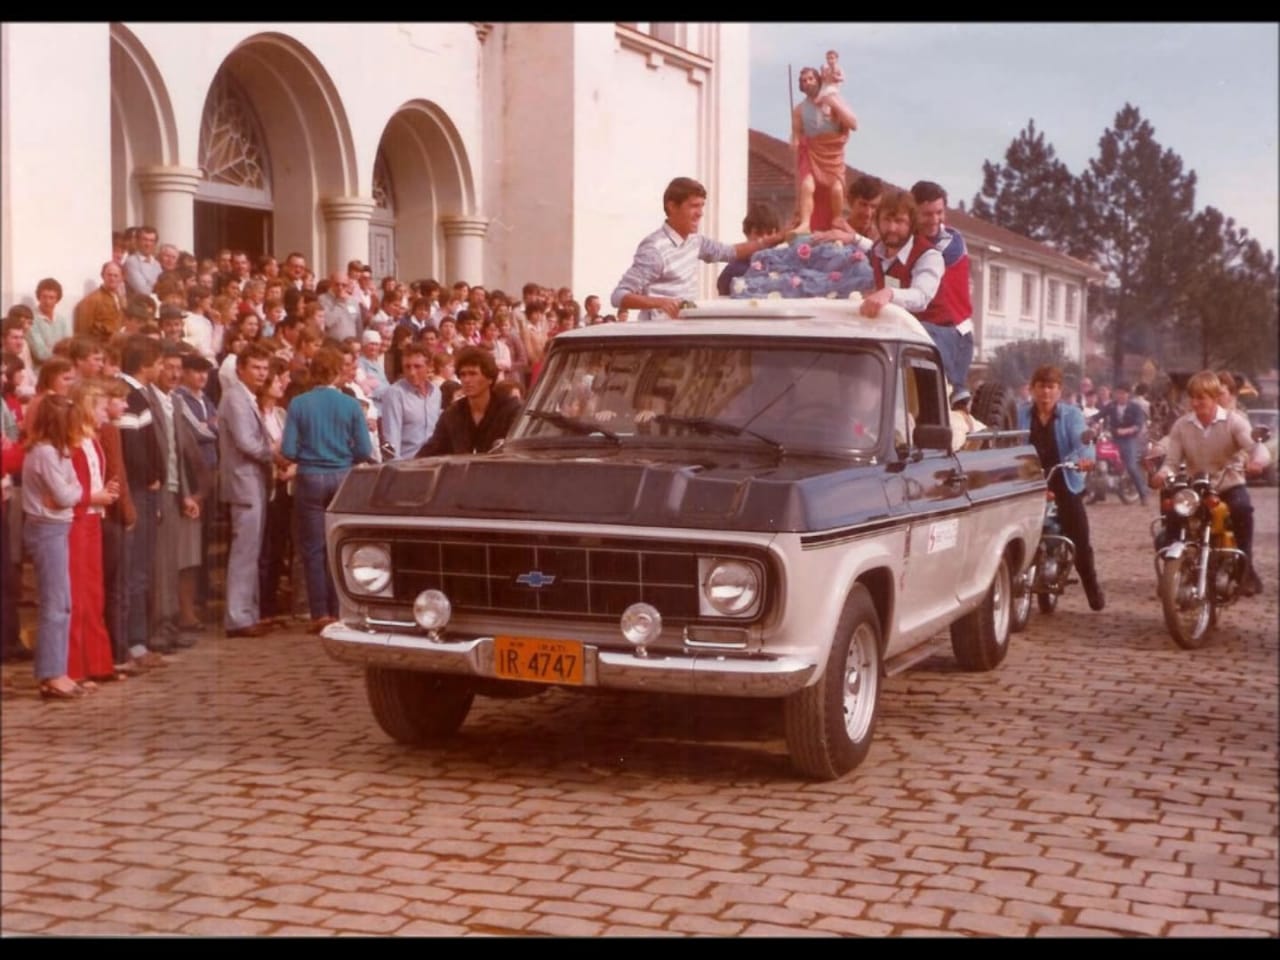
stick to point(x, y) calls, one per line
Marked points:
point(730, 588)
point(368, 566)
point(1185, 502)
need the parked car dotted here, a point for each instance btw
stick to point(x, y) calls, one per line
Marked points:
point(1271, 420)
point(758, 499)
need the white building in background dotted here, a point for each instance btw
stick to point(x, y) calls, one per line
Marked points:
point(496, 153)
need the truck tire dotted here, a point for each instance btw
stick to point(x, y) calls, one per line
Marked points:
point(829, 724)
point(417, 708)
point(996, 406)
point(980, 639)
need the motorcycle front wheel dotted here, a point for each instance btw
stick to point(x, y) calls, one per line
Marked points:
point(1187, 617)
point(1129, 494)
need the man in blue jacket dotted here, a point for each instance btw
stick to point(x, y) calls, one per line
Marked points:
point(1057, 434)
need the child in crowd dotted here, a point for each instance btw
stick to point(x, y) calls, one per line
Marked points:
point(50, 491)
point(89, 644)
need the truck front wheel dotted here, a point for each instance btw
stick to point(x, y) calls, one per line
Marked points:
point(829, 724)
point(980, 638)
point(414, 707)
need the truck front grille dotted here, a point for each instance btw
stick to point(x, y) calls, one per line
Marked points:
point(545, 574)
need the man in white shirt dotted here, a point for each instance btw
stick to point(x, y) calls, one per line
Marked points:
point(664, 272)
point(141, 269)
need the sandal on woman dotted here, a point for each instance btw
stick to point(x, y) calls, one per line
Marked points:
point(49, 692)
point(88, 686)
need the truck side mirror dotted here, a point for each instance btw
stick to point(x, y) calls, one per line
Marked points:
point(931, 436)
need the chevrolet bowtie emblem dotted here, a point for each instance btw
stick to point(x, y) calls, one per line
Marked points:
point(536, 579)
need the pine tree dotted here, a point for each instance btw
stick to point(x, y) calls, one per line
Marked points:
point(1032, 193)
point(1230, 297)
point(1136, 206)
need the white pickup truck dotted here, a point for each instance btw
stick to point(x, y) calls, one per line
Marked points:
point(758, 499)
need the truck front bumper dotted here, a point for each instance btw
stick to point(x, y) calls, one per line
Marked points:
point(706, 674)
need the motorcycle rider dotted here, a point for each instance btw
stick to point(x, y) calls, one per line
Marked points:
point(1211, 440)
point(1057, 430)
point(1126, 422)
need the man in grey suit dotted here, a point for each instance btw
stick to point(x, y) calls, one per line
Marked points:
point(181, 498)
point(245, 457)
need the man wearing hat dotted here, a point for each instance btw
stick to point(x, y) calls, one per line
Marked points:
point(202, 416)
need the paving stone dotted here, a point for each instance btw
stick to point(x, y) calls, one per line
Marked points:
point(1127, 789)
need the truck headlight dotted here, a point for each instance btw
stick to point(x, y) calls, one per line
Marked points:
point(432, 610)
point(368, 566)
point(1185, 502)
point(641, 624)
point(730, 588)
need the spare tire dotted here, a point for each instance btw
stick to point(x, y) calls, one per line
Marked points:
point(996, 406)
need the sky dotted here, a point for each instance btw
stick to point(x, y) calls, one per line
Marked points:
point(934, 100)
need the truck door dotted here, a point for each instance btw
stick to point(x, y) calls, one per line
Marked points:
point(935, 499)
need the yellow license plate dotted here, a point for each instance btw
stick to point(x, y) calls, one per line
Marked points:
point(538, 660)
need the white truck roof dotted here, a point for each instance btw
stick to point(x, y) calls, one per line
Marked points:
point(814, 317)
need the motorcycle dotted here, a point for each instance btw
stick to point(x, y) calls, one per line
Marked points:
point(1109, 474)
point(1049, 573)
point(1198, 565)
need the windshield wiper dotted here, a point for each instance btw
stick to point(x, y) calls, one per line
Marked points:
point(577, 425)
point(709, 425)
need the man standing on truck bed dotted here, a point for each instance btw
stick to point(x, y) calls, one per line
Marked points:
point(1057, 434)
point(949, 317)
point(665, 269)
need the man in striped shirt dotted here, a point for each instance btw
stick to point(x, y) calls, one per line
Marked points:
point(665, 269)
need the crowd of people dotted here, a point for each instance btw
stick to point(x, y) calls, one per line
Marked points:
point(188, 404)
point(188, 409)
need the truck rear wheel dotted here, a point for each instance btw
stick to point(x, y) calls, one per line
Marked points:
point(414, 707)
point(980, 638)
point(829, 724)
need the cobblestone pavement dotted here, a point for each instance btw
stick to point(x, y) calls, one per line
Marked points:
point(1101, 782)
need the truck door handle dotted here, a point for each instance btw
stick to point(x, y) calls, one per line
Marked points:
point(956, 478)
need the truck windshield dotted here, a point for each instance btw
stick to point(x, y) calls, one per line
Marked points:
point(797, 396)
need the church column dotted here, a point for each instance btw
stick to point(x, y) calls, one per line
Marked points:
point(464, 247)
point(168, 203)
point(346, 230)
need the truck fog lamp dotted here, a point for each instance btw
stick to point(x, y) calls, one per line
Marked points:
point(431, 610)
point(369, 567)
point(641, 623)
point(730, 588)
point(1185, 502)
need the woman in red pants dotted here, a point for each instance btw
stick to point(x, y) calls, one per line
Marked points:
point(89, 655)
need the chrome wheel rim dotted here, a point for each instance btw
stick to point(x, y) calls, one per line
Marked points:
point(861, 682)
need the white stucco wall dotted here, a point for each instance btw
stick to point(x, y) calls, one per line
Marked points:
point(556, 132)
point(56, 158)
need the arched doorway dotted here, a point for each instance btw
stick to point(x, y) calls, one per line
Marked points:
point(233, 205)
point(382, 223)
point(427, 168)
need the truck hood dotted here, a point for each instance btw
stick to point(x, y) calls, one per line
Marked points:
point(726, 489)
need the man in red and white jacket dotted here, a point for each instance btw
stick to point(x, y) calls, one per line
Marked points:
point(927, 275)
point(949, 317)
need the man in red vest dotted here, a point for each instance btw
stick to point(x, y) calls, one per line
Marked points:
point(911, 271)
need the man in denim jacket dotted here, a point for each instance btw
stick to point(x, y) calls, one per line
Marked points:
point(1057, 434)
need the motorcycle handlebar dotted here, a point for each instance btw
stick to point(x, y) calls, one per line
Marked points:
point(1081, 466)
